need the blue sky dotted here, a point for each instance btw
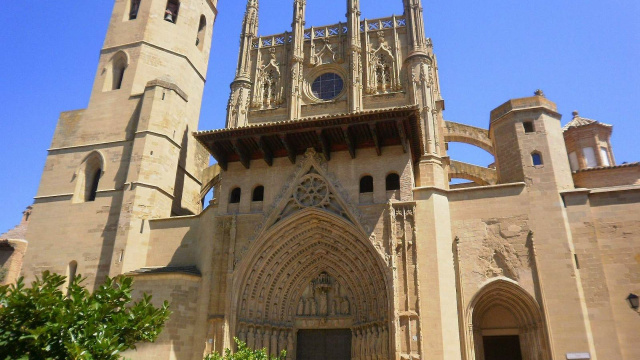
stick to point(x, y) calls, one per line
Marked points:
point(584, 54)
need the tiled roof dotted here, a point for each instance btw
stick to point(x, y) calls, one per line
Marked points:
point(17, 233)
point(308, 119)
point(634, 164)
point(579, 121)
point(187, 270)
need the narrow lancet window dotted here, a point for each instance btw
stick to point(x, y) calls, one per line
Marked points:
point(201, 32)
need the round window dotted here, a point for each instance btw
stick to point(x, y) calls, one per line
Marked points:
point(327, 86)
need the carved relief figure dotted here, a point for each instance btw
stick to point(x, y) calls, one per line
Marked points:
point(344, 306)
point(250, 338)
point(382, 68)
point(268, 93)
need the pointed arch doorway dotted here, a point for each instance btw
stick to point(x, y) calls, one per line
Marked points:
point(506, 324)
point(314, 285)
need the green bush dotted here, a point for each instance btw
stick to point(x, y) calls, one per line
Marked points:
point(3, 273)
point(244, 353)
point(41, 322)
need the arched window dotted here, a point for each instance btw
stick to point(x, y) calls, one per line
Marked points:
point(88, 178)
point(234, 198)
point(72, 269)
point(201, 32)
point(258, 194)
point(536, 158)
point(133, 11)
point(393, 182)
point(573, 161)
point(115, 72)
point(366, 184)
point(94, 182)
point(590, 157)
point(171, 12)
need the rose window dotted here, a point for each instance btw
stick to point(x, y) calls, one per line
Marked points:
point(312, 191)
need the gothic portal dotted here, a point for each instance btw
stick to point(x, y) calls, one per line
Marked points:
point(335, 231)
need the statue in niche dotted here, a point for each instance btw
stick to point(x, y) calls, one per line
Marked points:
point(282, 341)
point(335, 309)
point(378, 341)
point(290, 347)
point(258, 341)
point(323, 303)
point(384, 338)
point(265, 340)
point(274, 343)
point(355, 353)
point(250, 338)
point(365, 344)
point(372, 343)
point(301, 307)
point(345, 306)
point(242, 335)
point(243, 307)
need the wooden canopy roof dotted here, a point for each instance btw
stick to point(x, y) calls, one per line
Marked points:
point(343, 132)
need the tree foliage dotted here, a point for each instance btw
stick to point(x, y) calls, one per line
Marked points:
point(42, 322)
point(244, 353)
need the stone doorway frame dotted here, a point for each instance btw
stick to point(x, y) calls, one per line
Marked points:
point(329, 229)
point(532, 329)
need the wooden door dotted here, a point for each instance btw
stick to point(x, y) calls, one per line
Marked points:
point(324, 344)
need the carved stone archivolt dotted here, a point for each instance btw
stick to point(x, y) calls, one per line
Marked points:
point(313, 267)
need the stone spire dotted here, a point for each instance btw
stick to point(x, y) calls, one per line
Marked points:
point(415, 24)
point(241, 86)
point(297, 59)
point(355, 56)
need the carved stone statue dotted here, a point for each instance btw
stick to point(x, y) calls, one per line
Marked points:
point(355, 348)
point(274, 343)
point(385, 343)
point(378, 341)
point(265, 340)
point(323, 304)
point(301, 307)
point(242, 334)
point(282, 341)
point(363, 344)
point(290, 348)
point(314, 307)
point(345, 306)
point(371, 343)
point(258, 339)
point(335, 308)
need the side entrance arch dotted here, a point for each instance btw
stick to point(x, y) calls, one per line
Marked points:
point(310, 281)
point(506, 323)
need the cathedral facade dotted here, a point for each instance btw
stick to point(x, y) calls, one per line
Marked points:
point(334, 232)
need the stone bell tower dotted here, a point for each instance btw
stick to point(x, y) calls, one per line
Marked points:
point(129, 156)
